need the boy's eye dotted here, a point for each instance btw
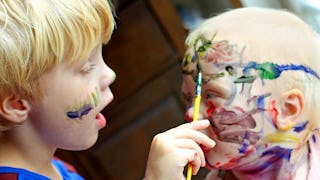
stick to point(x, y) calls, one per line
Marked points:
point(88, 67)
point(212, 94)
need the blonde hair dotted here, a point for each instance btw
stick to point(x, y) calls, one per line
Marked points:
point(37, 35)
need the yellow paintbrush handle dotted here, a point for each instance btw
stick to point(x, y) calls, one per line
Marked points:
point(189, 172)
point(196, 109)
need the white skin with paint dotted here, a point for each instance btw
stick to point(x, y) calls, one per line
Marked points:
point(243, 127)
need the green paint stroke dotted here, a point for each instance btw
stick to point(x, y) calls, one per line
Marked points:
point(268, 70)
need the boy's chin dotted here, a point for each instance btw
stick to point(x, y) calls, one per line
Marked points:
point(225, 155)
point(81, 145)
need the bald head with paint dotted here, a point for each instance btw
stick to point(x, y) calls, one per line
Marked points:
point(260, 71)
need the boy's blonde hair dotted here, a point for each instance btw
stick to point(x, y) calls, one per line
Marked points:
point(36, 35)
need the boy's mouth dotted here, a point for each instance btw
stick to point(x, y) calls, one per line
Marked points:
point(235, 128)
point(101, 120)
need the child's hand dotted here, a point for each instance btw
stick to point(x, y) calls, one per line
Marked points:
point(172, 150)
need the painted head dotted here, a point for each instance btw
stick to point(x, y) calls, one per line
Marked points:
point(51, 68)
point(260, 78)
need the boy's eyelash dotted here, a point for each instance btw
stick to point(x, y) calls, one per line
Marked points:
point(88, 68)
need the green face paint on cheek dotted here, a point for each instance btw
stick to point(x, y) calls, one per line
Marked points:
point(83, 107)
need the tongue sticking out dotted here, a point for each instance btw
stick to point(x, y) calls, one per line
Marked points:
point(101, 121)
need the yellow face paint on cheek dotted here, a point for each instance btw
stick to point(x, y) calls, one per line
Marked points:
point(82, 108)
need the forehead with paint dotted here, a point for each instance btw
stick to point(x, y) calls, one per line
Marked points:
point(243, 69)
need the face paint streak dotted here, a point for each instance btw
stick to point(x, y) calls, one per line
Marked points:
point(245, 79)
point(212, 51)
point(78, 114)
point(230, 163)
point(95, 97)
point(300, 127)
point(272, 158)
point(81, 110)
point(234, 161)
point(260, 100)
point(210, 77)
point(212, 108)
point(279, 137)
point(245, 145)
point(200, 50)
point(314, 138)
point(230, 70)
point(273, 112)
point(272, 71)
point(279, 152)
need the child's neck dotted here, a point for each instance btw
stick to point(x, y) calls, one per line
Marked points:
point(23, 151)
point(276, 165)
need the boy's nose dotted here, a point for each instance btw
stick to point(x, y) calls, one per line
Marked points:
point(108, 77)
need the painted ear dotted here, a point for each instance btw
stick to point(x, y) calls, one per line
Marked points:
point(14, 110)
point(292, 104)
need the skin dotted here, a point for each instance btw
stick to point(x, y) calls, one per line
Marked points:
point(259, 118)
point(261, 129)
point(46, 124)
point(172, 150)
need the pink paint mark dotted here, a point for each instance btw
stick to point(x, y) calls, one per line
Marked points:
point(220, 51)
point(273, 112)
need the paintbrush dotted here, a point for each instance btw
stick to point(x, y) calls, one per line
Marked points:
point(196, 109)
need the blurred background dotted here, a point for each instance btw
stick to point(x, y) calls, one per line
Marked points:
point(145, 52)
point(193, 12)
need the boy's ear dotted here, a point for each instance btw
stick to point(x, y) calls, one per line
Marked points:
point(291, 106)
point(14, 109)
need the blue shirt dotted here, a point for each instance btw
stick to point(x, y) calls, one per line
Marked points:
point(65, 170)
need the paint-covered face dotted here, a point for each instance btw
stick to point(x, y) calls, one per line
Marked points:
point(238, 100)
point(69, 116)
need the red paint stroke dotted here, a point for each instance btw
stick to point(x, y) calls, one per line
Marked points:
point(212, 108)
point(273, 112)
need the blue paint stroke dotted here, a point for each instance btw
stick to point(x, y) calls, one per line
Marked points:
point(78, 114)
point(279, 153)
point(300, 127)
point(269, 70)
point(245, 145)
point(314, 138)
point(260, 100)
